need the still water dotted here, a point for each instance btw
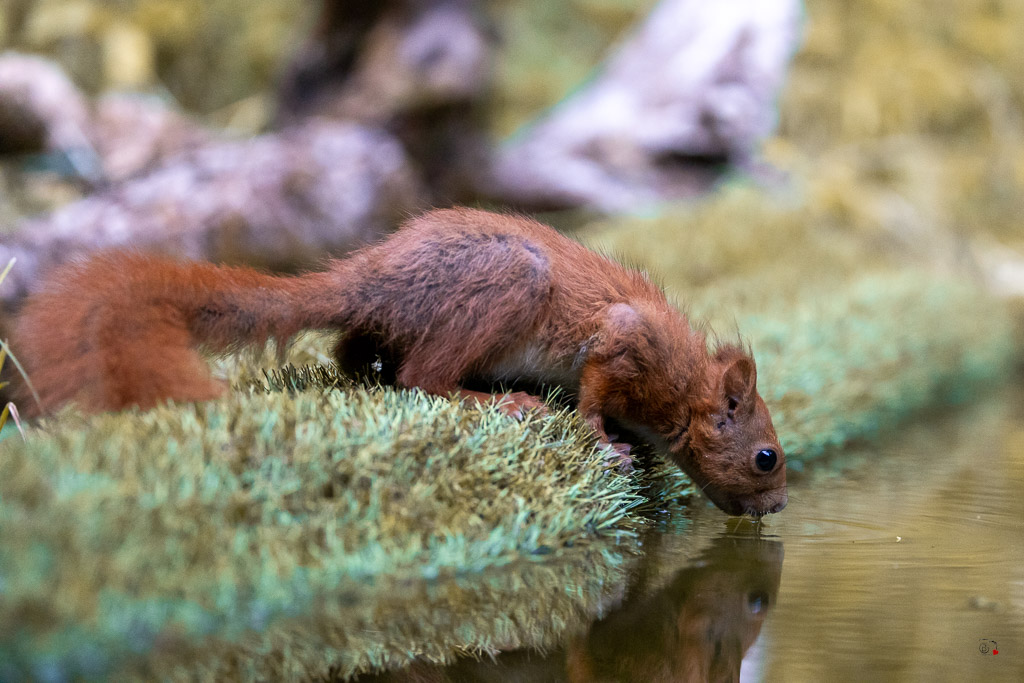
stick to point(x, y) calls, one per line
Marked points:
point(904, 562)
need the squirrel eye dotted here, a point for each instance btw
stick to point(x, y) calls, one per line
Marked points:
point(766, 459)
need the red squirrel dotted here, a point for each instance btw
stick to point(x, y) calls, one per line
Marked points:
point(454, 295)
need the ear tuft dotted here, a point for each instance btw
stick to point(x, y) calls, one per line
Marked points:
point(740, 379)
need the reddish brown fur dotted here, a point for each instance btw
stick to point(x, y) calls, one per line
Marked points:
point(455, 294)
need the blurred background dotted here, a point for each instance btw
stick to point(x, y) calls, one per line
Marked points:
point(898, 117)
point(839, 183)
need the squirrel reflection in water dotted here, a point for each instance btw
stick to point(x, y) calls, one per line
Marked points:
point(697, 628)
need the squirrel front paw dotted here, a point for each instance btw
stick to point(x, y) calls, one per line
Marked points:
point(620, 457)
point(517, 403)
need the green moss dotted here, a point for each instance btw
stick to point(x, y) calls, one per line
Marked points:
point(215, 519)
point(389, 624)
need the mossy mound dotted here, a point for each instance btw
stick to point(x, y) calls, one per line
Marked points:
point(391, 624)
point(210, 520)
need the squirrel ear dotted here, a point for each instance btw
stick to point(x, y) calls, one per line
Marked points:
point(739, 379)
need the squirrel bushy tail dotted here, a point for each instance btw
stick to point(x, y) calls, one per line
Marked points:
point(124, 328)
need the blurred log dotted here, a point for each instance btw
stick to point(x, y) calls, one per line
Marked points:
point(418, 68)
point(686, 99)
point(376, 62)
point(120, 135)
point(133, 134)
point(279, 201)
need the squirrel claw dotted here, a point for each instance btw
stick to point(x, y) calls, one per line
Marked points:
point(620, 457)
point(517, 403)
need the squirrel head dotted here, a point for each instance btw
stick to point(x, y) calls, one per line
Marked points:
point(730, 448)
point(658, 374)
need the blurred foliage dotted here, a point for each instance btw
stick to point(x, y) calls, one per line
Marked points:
point(916, 103)
point(209, 55)
point(899, 112)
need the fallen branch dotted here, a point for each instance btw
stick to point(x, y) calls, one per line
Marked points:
point(279, 201)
